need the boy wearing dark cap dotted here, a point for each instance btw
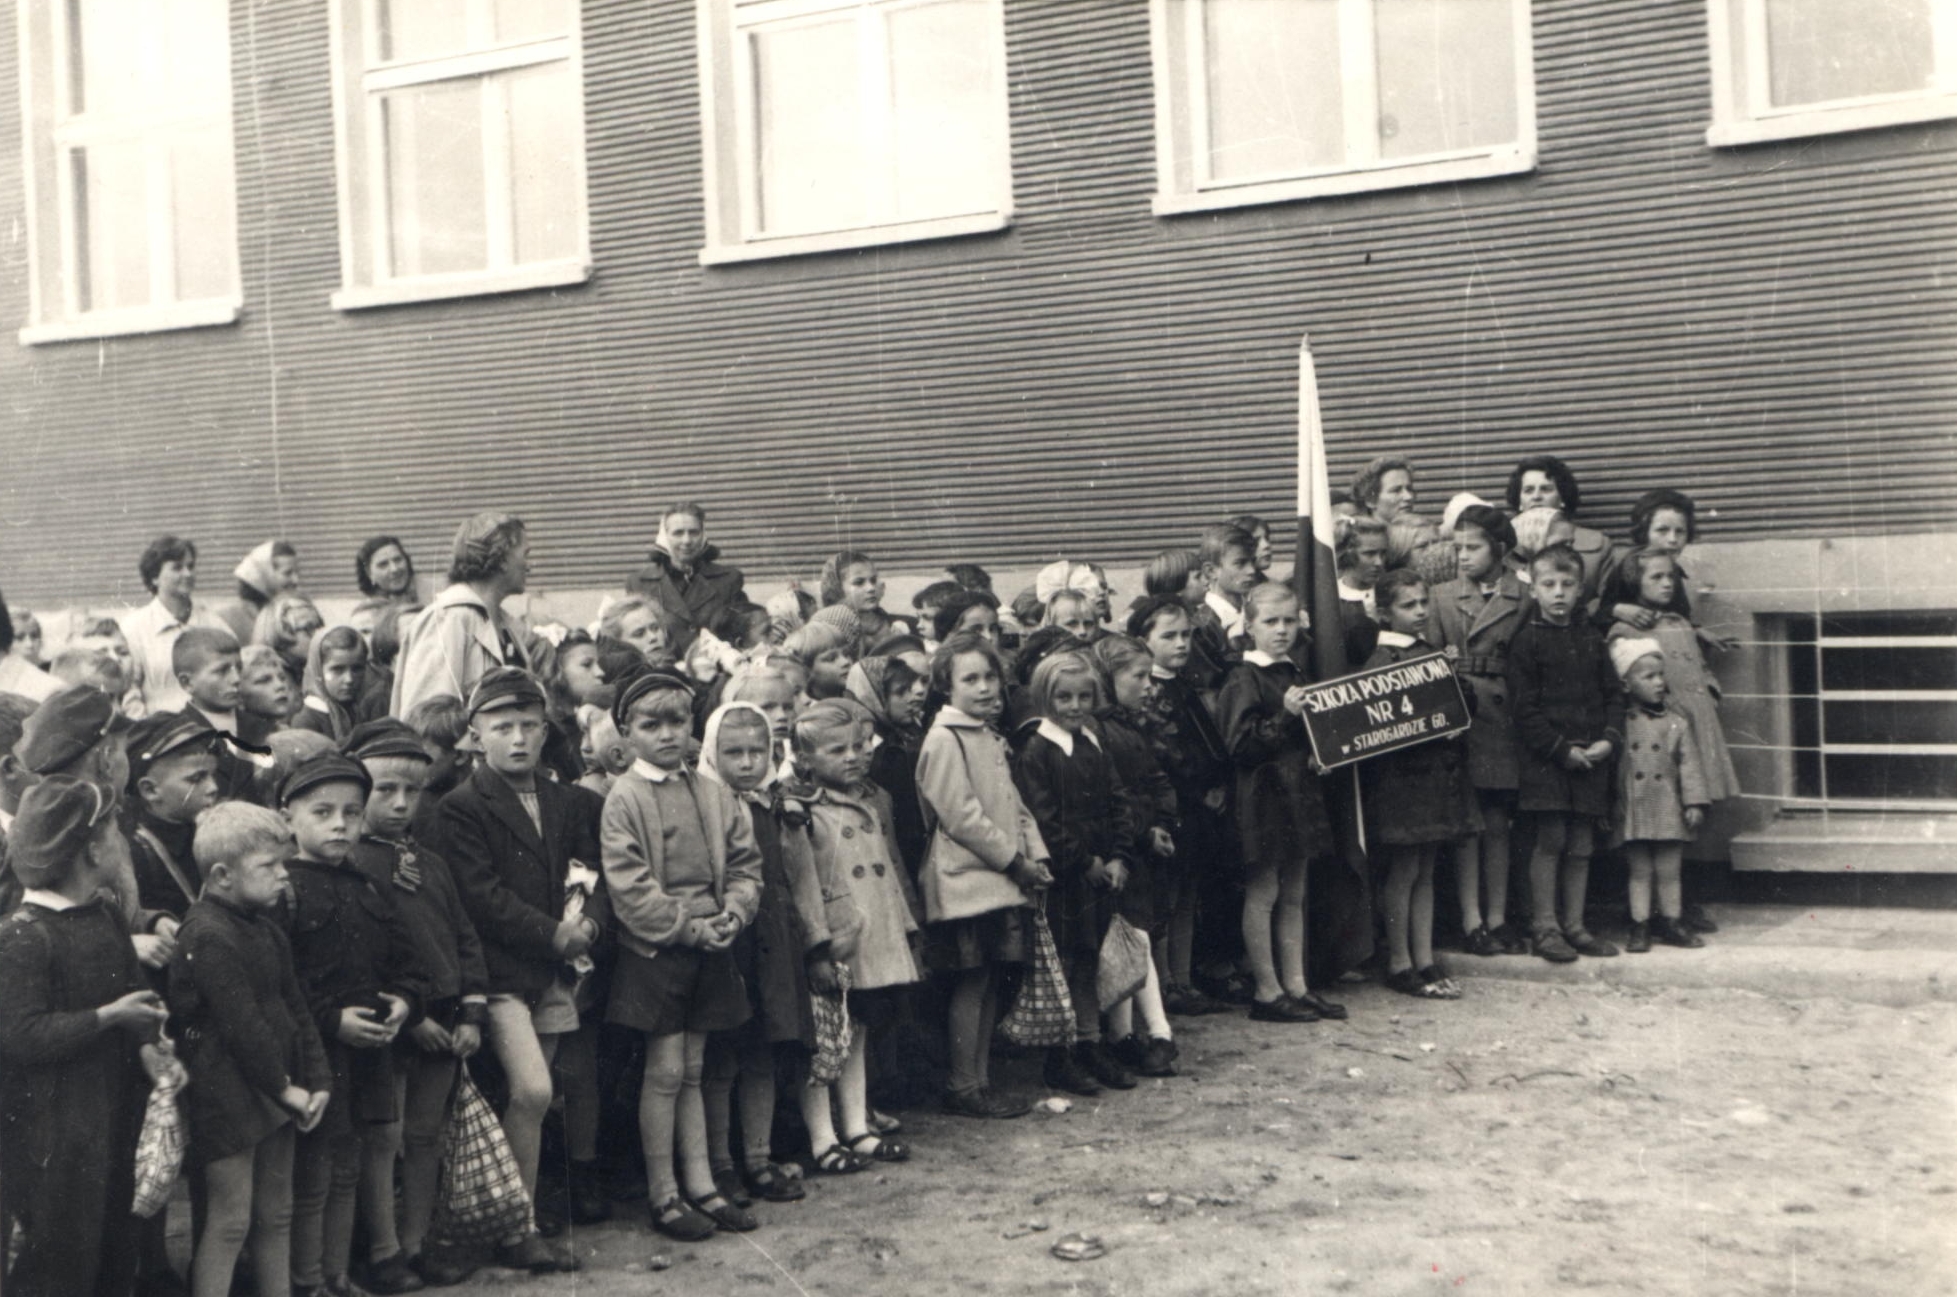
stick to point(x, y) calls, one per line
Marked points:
point(524, 850)
point(75, 1025)
point(455, 1010)
point(356, 963)
point(173, 772)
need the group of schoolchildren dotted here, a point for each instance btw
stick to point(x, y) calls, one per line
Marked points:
point(712, 864)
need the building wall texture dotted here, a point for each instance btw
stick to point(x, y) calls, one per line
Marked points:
point(1773, 328)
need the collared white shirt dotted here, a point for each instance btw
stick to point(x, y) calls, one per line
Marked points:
point(652, 774)
point(1258, 657)
point(1232, 618)
point(1062, 738)
point(1160, 672)
point(1353, 595)
point(152, 632)
point(1396, 639)
point(46, 900)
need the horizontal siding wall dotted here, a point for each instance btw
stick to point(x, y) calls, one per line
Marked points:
point(1773, 328)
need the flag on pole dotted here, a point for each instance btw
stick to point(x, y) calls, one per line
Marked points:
point(1316, 576)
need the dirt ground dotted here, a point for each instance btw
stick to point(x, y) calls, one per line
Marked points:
point(1527, 1139)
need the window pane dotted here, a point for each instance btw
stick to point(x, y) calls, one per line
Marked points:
point(542, 171)
point(112, 40)
point(1903, 778)
point(1913, 722)
point(1822, 50)
point(1275, 103)
point(945, 106)
point(205, 217)
point(435, 178)
point(529, 20)
point(197, 55)
point(420, 29)
point(1446, 75)
point(1888, 668)
point(112, 226)
point(809, 128)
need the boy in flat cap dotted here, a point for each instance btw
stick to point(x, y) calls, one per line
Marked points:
point(76, 1025)
point(357, 966)
point(525, 853)
point(455, 1010)
point(173, 773)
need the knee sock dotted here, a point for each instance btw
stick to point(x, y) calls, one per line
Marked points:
point(853, 1087)
point(970, 1030)
point(1576, 889)
point(377, 1153)
point(717, 1098)
point(1260, 900)
point(1420, 911)
point(691, 1123)
point(757, 1099)
point(1669, 864)
point(1083, 987)
point(1638, 888)
point(1292, 879)
point(817, 1117)
point(1467, 882)
point(1495, 863)
point(1155, 1019)
point(1397, 902)
point(658, 1116)
point(1543, 860)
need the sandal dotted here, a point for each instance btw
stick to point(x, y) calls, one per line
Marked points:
point(680, 1219)
point(727, 1181)
point(837, 1160)
point(770, 1183)
point(883, 1150)
point(735, 1220)
point(883, 1123)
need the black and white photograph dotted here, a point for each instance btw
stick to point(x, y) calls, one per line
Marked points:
point(1111, 648)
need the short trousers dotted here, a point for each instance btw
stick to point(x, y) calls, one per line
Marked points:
point(679, 989)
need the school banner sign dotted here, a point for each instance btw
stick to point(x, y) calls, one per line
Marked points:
point(1384, 709)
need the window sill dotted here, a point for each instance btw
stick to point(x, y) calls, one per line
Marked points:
point(147, 319)
point(1519, 162)
point(798, 245)
point(1831, 121)
point(435, 288)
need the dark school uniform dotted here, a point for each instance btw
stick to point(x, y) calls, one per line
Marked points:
point(239, 755)
point(1068, 783)
point(772, 952)
point(1151, 804)
point(71, 1101)
point(246, 1028)
point(167, 881)
point(349, 945)
point(510, 874)
point(1280, 804)
point(1566, 695)
point(1420, 794)
point(447, 950)
point(1479, 625)
point(893, 768)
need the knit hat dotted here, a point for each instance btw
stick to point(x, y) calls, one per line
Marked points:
point(842, 617)
point(385, 737)
point(65, 726)
point(647, 681)
point(157, 736)
point(52, 827)
point(326, 768)
point(1625, 652)
point(504, 687)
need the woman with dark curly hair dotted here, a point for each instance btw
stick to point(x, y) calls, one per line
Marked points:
point(464, 631)
point(385, 570)
point(1544, 481)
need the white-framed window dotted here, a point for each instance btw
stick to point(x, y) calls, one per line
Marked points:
point(1260, 101)
point(1782, 69)
point(847, 123)
point(459, 127)
point(130, 193)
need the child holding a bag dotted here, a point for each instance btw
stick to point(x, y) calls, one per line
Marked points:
point(259, 1071)
point(984, 863)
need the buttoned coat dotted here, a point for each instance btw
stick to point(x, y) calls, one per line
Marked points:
point(855, 840)
point(978, 824)
point(1659, 776)
point(1479, 631)
point(633, 838)
point(1566, 695)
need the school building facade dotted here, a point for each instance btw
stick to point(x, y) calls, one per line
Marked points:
point(1011, 280)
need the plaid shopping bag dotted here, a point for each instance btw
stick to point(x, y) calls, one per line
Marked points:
point(831, 1030)
point(1042, 1013)
point(482, 1198)
point(160, 1148)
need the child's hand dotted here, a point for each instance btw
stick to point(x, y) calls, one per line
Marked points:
point(572, 939)
point(154, 950)
point(719, 933)
point(1718, 643)
point(1214, 799)
point(397, 1012)
point(1117, 871)
point(1451, 652)
point(160, 1062)
point(1694, 816)
point(1599, 752)
point(1098, 873)
point(315, 1109)
point(139, 1011)
point(1294, 700)
point(294, 1099)
point(822, 976)
point(1161, 843)
point(1636, 614)
point(165, 926)
point(1576, 759)
point(465, 1040)
point(360, 1031)
point(430, 1038)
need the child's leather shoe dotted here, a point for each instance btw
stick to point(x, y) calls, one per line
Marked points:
point(1551, 946)
point(1103, 1066)
point(1585, 942)
point(1673, 933)
point(1640, 940)
point(1065, 1071)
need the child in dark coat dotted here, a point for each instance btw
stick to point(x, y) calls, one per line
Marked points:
point(357, 965)
point(1420, 798)
point(259, 1074)
point(1569, 721)
point(1068, 783)
point(74, 1022)
point(1280, 806)
point(428, 1056)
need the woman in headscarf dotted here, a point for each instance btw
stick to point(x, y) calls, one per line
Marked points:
point(270, 570)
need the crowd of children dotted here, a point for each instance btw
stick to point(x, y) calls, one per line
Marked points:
point(710, 875)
